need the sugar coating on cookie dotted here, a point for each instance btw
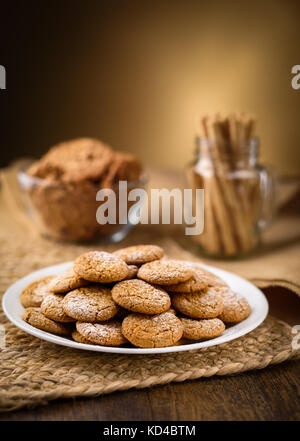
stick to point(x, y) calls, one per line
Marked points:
point(140, 254)
point(165, 272)
point(106, 334)
point(35, 318)
point(66, 282)
point(202, 329)
point(34, 293)
point(202, 305)
point(80, 338)
point(146, 331)
point(236, 307)
point(52, 308)
point(197, 283)
point(91, 303)
point(100, 266)
point(139, 296)
point(207, 277)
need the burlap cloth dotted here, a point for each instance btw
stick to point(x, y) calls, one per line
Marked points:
point(35, 372)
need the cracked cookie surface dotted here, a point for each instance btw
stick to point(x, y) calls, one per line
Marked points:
point(197, 283)
point(236, 307)
point(52, 308)
point(80, 338)
point(35, 318)
point(66, 282)
point(100, 266)
point(140, 254)
point(165, 272)
point(139, 296)
point(106, 334)
point(202, 329)
point(34, 293)
point(90, 303)
point(156, 331)
point(201, 305)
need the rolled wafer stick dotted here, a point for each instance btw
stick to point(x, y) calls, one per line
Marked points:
point(220, 209)
point(230, 194)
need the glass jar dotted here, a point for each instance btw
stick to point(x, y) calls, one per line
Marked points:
point(239, 196)
point(68, 211)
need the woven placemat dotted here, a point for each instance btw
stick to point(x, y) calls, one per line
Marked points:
point(34, 372)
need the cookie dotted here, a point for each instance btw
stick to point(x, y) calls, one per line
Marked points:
point(139, 296)
point(195, 284)
point(91, 303)
point(52, 308)
point(72, 161)
point(201, 305)
point(165, 272)
point(140, 254)
point(202, 329)
point(146, 331)
point(133, 270)
point(236, 307)
point(80, 339)
point(34, 293)
point(100, 266)
point(35, 318)
point(106, 334)
point(207, 277)
point(124, 167)
point(66, 282)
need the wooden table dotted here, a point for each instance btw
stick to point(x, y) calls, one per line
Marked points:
point(270, 394)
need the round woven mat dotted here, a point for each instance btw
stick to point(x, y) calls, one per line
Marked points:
point(34, 372)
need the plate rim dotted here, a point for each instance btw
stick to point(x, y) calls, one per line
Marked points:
point(62, 341)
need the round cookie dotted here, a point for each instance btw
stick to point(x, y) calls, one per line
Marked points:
point(52, 308)
point(75, 160)
point(195, 284)
point(106, 334)
point(202, 329)
point(201, 305)
point(34, 293)
point(35, 318)
point(133, 270)
point(139, 296)
point(100, 266)
point(91, 303)
point(207, 277)
point(236, 307)
point(80, 339)
point(165, 272)
point(155, 331)
point(66, 282)
point(140, 254)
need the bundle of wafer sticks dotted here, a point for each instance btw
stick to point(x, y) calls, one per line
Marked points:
point(231, 190)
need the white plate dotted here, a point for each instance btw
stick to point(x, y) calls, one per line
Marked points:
point(259, 310)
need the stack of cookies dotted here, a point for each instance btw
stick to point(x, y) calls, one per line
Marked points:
point(133, 296)
point(62, 187)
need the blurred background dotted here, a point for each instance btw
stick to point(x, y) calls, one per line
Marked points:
point(137, 73)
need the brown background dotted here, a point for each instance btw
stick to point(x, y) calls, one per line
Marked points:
point(137, 73)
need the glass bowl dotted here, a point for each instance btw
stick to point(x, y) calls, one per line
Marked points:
point(67, 211)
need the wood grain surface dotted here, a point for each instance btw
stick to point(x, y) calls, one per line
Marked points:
point(270, 394)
